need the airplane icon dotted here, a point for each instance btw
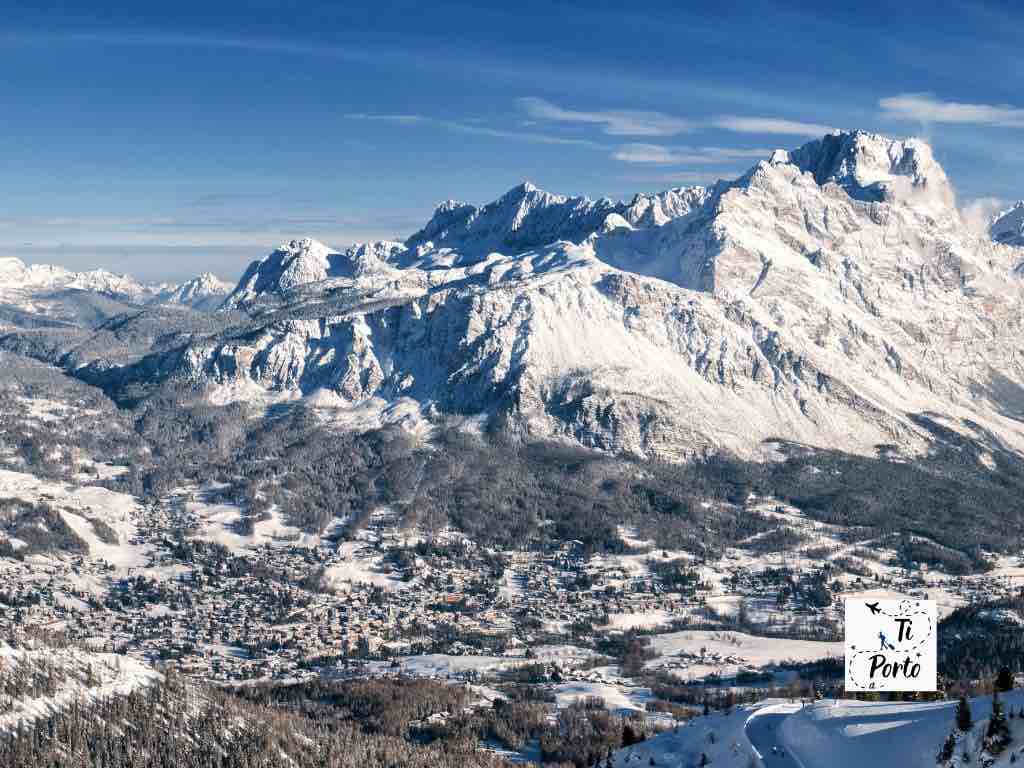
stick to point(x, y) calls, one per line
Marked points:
point(873, 607)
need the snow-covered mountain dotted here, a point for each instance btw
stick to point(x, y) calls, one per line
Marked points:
point(18, 278)
point(307, 261)
point(832, 295)
point(1008, 226)
point(205, 292)
point(32, 287)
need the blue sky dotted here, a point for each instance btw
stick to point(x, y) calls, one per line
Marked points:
point(163, 139)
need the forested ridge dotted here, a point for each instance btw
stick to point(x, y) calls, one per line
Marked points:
point(175, 724)
point(541, 492)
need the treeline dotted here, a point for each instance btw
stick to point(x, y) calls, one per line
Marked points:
point(578, 736)
point(376, 706)
point(373, 723)
point(79, 424)
point(541, 494)
point(943, 510)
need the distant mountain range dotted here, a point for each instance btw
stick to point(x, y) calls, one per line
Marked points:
point(33, 287)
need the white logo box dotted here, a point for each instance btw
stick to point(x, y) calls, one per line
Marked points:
point(891, 645)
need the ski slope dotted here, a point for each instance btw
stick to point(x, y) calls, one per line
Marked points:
point(824, 734)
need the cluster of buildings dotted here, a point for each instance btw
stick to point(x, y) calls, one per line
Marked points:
point(279, 609)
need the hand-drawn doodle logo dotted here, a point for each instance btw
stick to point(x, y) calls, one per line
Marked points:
point(890, 645)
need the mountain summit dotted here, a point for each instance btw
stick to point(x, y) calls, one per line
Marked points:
point(873, 168)
point(305, 262)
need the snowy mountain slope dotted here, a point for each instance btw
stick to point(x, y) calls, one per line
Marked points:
point(827, 296)
point(45, 680)
point(832, 733)
point(50, 291)
point(854, 733)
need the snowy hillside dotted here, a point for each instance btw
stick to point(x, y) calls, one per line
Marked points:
point(828, 733)
point(832, 295)
point(37, 681)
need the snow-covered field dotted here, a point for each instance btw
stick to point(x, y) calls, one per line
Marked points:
point(359, 565)
point(616, 697)
point(79, 507)
point(639, 620)
point(222, 524)
point(441, 665)
point(694, 654)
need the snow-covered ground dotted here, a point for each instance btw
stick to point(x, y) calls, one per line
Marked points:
point(823, 734)
point(79, 507)
point(81, 675)
point(616, 697)
point(442, 665)
point(221, 523)
point(854, 734)
point(694, 654)
point(359, 565)
point(639, 620)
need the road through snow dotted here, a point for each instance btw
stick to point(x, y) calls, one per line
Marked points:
point(763, 729)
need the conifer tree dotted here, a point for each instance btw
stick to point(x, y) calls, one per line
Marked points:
point(1004, 680)
point(997, 735)
point(946, 753)
point(963, 715)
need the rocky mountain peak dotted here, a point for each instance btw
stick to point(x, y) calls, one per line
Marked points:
point(523, 217)
point(307, 261)
point(876, 168)
point(1008, 226)
point(205, 292)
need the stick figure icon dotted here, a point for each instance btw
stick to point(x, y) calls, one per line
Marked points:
point(885, 644)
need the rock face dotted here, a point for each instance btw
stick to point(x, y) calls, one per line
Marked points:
point(831, 296)
point(1008, 226)
point(304, 262)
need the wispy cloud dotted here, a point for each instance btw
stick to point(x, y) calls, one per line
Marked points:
point(616, 122)
point(464, 126)
point(772, 125)
point(656, 154)
point(925, 108)
point(181, 39)
point(625, 122)
point(978, 213)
